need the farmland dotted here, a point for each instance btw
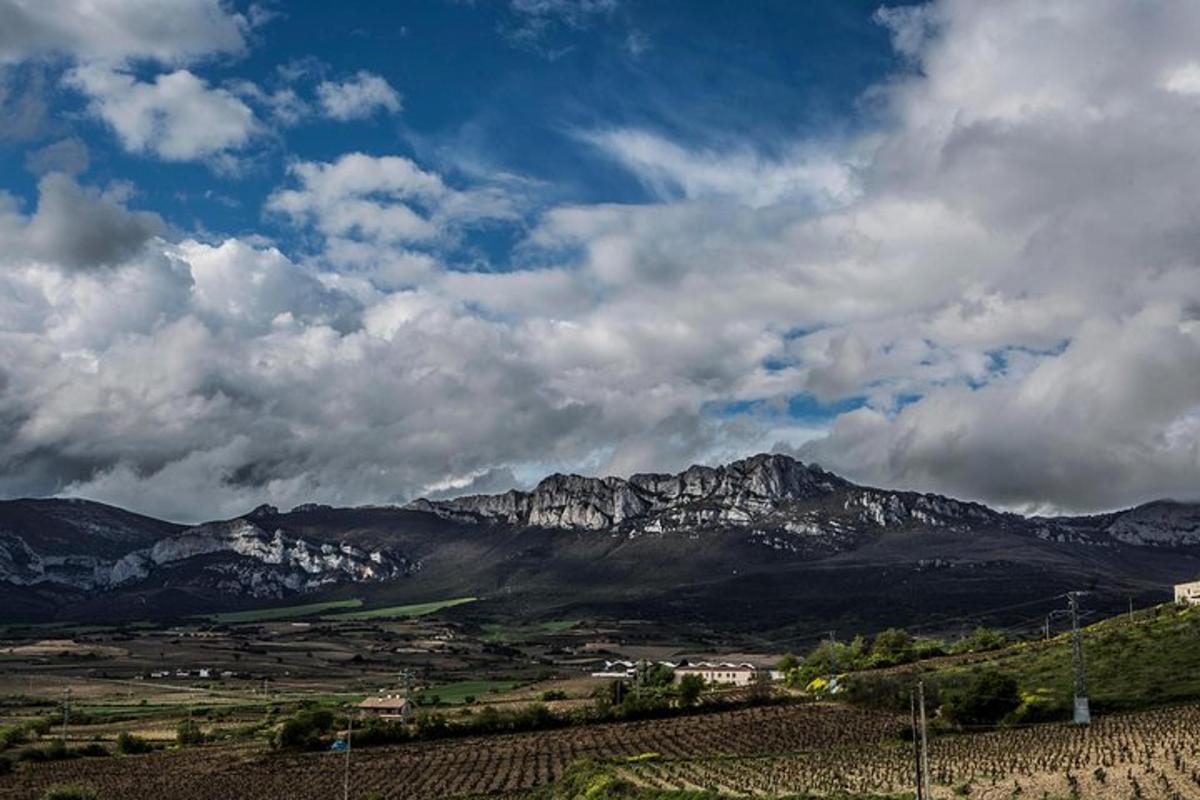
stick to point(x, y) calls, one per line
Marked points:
point(764, 752)
point(261, 672)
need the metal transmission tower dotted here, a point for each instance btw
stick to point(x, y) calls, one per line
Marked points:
point(1083, 713)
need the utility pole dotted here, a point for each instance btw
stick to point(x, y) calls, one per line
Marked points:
point(66, 712)
point(346, 772)
point(1130, 609)
point(912, 697)
point(1083, 714)
point(924, 740)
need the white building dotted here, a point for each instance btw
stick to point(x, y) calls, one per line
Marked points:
point(725, 672)
point(1188, 593)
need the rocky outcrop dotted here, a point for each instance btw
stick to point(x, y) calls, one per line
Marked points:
point(768, 492)
point(260, 561)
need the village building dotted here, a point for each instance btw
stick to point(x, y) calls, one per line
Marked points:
point(724, 673)
point(1188, 593)
point(388, 706)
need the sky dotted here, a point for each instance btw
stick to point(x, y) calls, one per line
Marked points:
point(292, 252)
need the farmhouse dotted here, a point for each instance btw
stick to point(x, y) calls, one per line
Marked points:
point(1188, 593)
point(734, 674)
point(389, 706)
point(626, 669)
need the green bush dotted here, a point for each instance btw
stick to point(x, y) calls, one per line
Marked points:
point(984, 701)
point(690, 688)
point(132, 745)
point(307, 729)
point(93, 750)
point(12, 736)
point(188, 733)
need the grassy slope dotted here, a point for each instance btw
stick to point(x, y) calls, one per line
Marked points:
point(285, 612)
point(1147, 661)
point(396, 612)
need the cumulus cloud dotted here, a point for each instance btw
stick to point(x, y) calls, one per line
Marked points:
point(386, 199)
point(357, 98)
point(77, 228)
point(177, 116)
point(118, 30)
point(993, 295)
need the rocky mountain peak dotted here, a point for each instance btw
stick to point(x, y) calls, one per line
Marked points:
point(734, 491)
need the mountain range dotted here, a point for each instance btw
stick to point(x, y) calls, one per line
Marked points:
point(765, 544)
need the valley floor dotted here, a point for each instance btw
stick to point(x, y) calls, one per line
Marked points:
point(770, 751)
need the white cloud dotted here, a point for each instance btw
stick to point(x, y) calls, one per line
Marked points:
point(385, 199)
point(118, 30)
point(672, 171)
point(1006, 273)
point(357, 98)
point(177, 116)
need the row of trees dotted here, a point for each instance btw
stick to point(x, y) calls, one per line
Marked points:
point(888, 648)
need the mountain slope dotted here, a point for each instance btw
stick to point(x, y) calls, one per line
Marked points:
point(766, 542)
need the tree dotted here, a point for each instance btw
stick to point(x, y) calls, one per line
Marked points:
point(984, 701)
point(188, 733)
point(892, 646)
point(131, 745)
point(691, 686)
point(788, 663)
point(981, 639)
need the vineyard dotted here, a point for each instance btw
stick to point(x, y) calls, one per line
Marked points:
point(455, 768)
point(1154, 754)
point(761, 751)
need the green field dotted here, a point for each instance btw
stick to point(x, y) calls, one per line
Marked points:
point(457, 693)
point(285, 612)
point(400, 612)
point(512, 633)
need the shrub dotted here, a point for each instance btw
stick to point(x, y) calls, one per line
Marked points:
point(93, 750)
point(6, 765)
point(188, 733)
point(12, 736)
point(987, 699)
point(690, 689)
point(131, 745)
point(305, 730)
point(553, 694)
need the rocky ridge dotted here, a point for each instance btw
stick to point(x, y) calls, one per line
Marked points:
point(237, 555)
point(767, 492)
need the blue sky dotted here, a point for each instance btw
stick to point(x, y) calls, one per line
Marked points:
point(265, 252)
point(487, 88)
